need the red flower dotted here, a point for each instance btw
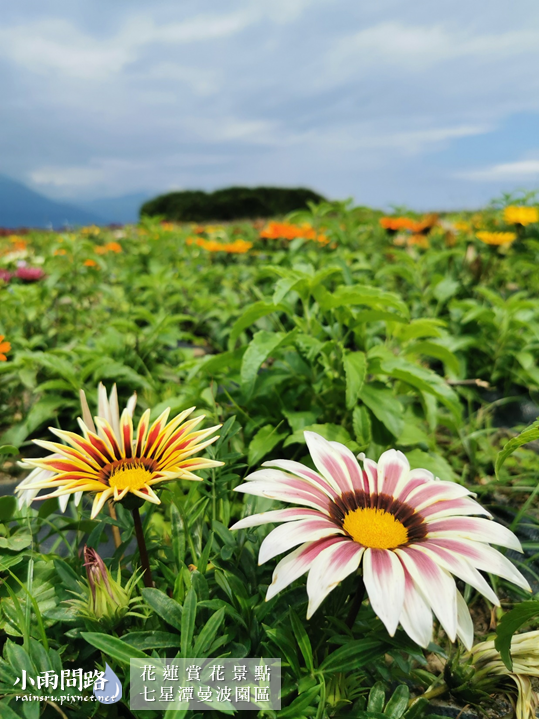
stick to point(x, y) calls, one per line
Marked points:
point(29, 274)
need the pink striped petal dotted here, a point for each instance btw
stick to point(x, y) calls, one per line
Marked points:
point(328, 569)
point(436, 491)
point(305, 473)
point(295, 564)
point(329, 462)
point(437, 587)
point(484, 558)
point(458, 566)
point(370, 474)
point(464, 622)
point(355, 472)
point(453, 507)
point(285, 491)
point(384, 581)
point(476, 528)
point(277, 515)
point(393, 469)
point(416, 616)
point(416, 478)
point(288, 535)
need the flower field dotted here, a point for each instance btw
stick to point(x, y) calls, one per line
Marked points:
point(311, 439)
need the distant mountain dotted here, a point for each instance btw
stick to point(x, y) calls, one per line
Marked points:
point(124, 209)
point(22, 207)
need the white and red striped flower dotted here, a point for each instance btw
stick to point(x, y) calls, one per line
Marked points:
point(110, 459)
point(409, 530)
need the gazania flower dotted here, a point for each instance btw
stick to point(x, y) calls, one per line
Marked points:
point(496, 238)
point(4, 347)
point(111, 460)
point(514, 215)
point(29, 274)
point(408, 530)
point(90, 263)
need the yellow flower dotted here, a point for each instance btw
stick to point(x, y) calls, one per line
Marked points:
point(496, 238)
point(520, 215)
point(110, 459)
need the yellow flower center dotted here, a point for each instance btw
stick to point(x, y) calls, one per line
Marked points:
point(375, 528)
point(130, 476)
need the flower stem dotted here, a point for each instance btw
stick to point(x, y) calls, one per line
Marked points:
point(144, 561)
point(355, 604)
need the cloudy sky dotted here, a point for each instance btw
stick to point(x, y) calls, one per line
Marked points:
point(428, 104)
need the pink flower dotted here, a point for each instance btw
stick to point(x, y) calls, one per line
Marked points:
point(29, 274)
point(5, 276)
point(408, 530)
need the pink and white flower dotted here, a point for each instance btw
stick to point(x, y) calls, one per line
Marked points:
point(409, 530)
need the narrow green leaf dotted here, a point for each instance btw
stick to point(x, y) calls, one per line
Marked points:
point(208, 633)
point(353, 655)
point(398, 702)
point(510, 622)
point(302, 639)
point(152, 640)
point(253, 313)
point(188, 622)
point(355, 368)
point(528, 435)
point(377, 698)
point(113, 647)
point(258, 351)
point(167, 608)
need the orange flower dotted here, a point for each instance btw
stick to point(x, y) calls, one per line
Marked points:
point(4, 347)
point(288, 231)
point(113, 247)
point(496, 238)
point(167, 226)
point(100, 250)
point(394, 224)
point(90, 263)
point(18, 242)
point(61, 251)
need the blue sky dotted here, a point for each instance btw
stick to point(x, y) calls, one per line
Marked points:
point(429, 104)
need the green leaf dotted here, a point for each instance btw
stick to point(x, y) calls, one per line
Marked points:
point(263, 442)
point(528, 435)
point(353, 655)
point(300, 703)
point(425, 380)
point(113, 647)
point(361, 423)
point(69, 578)
point(8, 505)
point(436, 464)
point(167, 608)
point(208, 633)
point(355, 368)
point(6, 712)
point(258, 351)
point(152, 640)
point(253, 313)
point(445, 289)
point(398, 702)
point(16, 542)
point(377, 698)
point(359, 295)
point(8, 449)
point(188, 622)
point(302, 639)
point(433, 349)
point(510, 622)
point(384, 405)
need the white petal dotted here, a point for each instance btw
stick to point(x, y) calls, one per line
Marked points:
point(277, 515)
point(416, 616)
point(329, 568)
point(288, 535)
point(476, 528)
point(393, 469)
point(437, 587)
point(464, 622)
point(86, 414)
point(287, 491)
point(384, 581)
point(462, 569)
point(295, 564)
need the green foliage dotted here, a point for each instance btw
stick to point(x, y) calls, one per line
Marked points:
point(365, 342)
point(232, 203)
point(511, 622)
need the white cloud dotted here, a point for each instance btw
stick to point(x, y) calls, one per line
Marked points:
point(520, 170)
